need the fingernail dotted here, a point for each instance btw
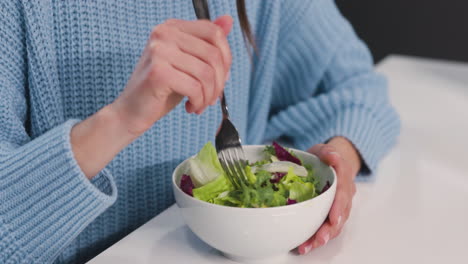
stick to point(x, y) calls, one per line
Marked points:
point(339, 220)
point(307, 249)
point(334, 153)
point(326, 238)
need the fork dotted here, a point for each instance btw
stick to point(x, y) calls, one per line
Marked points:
point(228, 143)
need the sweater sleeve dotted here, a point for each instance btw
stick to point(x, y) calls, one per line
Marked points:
point(45, 199)
point(326, 85)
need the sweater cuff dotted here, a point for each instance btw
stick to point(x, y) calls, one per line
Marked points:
point(45, 198)
point(104, 183)
point(361, 128)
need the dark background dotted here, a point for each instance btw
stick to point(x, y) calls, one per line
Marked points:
point(427, 28)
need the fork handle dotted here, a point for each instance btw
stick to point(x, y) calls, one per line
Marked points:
point(201, 9)
point(224, 108)
point(202, 12)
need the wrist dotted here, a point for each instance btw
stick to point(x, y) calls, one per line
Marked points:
point(96, 140)
point(123, 120)
point(116, 125)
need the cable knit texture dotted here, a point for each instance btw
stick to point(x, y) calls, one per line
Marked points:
point(61, 61)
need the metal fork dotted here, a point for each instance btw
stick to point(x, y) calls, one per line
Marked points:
point(229, 148)
point(228, 143)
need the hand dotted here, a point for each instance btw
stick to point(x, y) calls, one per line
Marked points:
point(343, 157)
point(181, 58)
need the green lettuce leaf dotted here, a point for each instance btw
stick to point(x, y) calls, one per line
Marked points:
point(300, 188)
point(209, 192)
point(290, 178)
point(205, 166)
point(301, 191)
point(250, 176)
point(213, 186)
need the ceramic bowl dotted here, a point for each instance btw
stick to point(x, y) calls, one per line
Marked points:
point(257, 235)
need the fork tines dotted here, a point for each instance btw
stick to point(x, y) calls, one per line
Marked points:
point(233, 162)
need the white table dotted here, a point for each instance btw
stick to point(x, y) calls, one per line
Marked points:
point(416, 209)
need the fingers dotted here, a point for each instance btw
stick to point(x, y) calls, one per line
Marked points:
point(345, 190)
point(225, 22)
point(337, 227)
point(210, 32)
point(320, 238)
point(208, 53)
point(341, 207)
point(167, 53)
point(329, 156)
point(326, 232)
point(338, 212)
point(179, 81)
point(326, 153)
point(330, 229)
point(198, 48)
point(316, 149)
point(195, 67)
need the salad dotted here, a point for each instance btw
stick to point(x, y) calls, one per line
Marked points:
point(280, 179)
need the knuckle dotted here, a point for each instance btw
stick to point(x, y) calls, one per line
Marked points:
point(196, 100)
point(327, 149)
point(194, 86)
point(161, 31)
point(215, 56)
point(153, 47)
point(218, 33)
point(158, 51)
point(316, 148)
point(206, 74)
point(215, 32)
point(158, 72)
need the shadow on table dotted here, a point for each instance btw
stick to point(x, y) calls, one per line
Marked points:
point(182, 244)
point(320, 255)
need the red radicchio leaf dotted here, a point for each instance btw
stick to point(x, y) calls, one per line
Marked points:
point(186, 184)
point(289, 202)
point(283, 155)
point(277, 176)
point(326, 187)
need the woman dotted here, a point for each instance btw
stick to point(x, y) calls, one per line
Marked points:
point(80, 121)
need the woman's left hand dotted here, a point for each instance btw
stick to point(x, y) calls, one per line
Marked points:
point(344, 158)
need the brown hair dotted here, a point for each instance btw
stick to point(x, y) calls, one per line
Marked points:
point(245, 24)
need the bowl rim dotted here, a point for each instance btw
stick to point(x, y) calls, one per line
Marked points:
point(333, 186)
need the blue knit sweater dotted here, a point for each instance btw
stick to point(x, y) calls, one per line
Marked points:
point(61, 61)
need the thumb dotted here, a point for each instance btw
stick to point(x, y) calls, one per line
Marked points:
point(327, 154)
point(225, 22)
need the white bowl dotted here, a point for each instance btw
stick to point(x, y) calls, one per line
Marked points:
point(257, 235)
